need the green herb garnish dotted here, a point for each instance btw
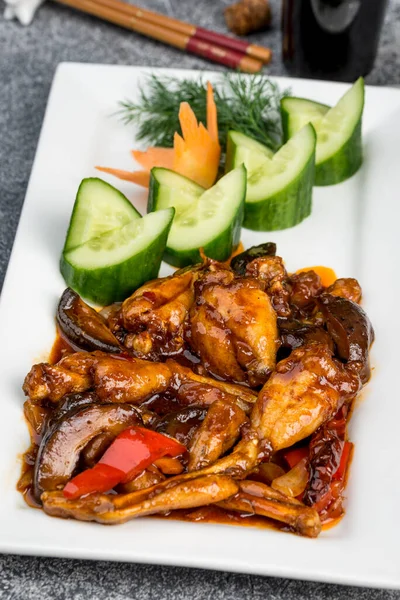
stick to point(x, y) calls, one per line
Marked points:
point(246, 103)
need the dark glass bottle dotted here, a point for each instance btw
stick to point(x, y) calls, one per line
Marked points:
point(331, 39)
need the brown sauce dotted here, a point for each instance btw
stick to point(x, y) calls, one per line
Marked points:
point(206, 514)
point(60, 348)
point(216, 515)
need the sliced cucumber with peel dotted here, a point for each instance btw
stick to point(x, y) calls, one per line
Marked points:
point(298, 112)
point(339, 142)
point(279, 187)
point(98, 208)
point(108, 268)
point(208, 219)
point(242, 149)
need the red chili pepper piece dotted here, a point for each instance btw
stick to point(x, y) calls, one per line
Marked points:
point(293, 457)
point(100, 478)
point(130, 453)
point(344, 461)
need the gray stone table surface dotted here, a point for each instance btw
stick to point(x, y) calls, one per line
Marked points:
point(28, 58)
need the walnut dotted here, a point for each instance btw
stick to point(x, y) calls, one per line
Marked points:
point(247, 16)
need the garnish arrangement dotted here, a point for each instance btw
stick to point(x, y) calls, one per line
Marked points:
point(247, 104)
point(222, 392)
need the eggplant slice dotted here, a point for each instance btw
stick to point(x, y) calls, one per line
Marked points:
point(351, 331)
point(240, 261)
point(85, 328)
point(294, 334)
point(61, 447)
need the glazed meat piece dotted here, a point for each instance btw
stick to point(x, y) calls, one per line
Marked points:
point(351, 331)
point(129, 380)
point(191, 388)
point(271, 271)
point(218, 433)
point(346, 288)
point(61, 446)
point(153, 317)
point(115, 378)
point(260, 499)
point(126, 379)
point(305, 390)
point(306, 287)
point(146, 479)
point(52, 382)
point(233, 328)
point(182, 424)
point(164, 497)
point(245, 456)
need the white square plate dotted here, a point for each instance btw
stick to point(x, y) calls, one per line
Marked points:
point(353, 228)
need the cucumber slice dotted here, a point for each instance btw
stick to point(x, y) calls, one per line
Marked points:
point(98, 208)
point(298, 112)
point(279, 189)
point(111, 266)
point(209, 219)
point(242, 149)
point(339, 145)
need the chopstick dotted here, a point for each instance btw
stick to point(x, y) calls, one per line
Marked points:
point(119, 13)
point(225, 41)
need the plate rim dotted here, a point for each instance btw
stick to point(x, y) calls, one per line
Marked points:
point(101, 554)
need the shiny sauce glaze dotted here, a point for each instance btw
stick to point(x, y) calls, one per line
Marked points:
point(163, 404)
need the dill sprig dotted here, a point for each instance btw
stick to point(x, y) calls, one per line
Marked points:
point(249, 104)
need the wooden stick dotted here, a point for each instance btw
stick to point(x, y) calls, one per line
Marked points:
point(224, 56)
point(258, 52)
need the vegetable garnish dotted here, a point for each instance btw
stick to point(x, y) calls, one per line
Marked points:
point(195, 155)
point(249, 104)
point(279, 187)
point(326, 274)
point(110, 250)
point(339, 143)
point(130, 453)
point(344, 461)
point(294, 456)
point(208, 219)
point(141, 178)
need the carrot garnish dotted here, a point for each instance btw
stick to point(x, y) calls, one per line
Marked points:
point(196, 153)
point(212, 121)
point(139, 177)
point(327, 275)
point(154, 157)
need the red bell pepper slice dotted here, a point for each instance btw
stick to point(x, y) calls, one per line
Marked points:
point(344, 461)
point(293, 457)
point(129, 454)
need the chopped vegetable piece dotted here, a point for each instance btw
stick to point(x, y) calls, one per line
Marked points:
point(208, 219)
point(98, 207)
point(111, 266)
point(294, 456)
point(344, 461)
point(339, 143)
point(326, 274)
point(130, 453)
point(279, 186)
point(293, 483)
